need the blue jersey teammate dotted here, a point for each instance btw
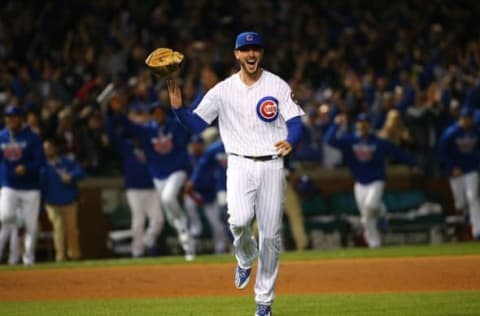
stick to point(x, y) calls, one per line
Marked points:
point(164, 141)
point(208, 181)
point(365, 154)
point(21, 158)
point(142, 198)
point(459, 150)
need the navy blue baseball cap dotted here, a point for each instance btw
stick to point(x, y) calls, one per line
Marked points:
point(363, 117)
point(248, 39)
point(466, 111)
point(13, 110)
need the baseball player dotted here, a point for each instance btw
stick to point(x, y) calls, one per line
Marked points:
point(164, 141)
point(59, 185)
point(140, 191)
point(259, 122)
point(21, 158)
point(365, 155)
point(193, 199)
point(208, 182)
point(459, 150)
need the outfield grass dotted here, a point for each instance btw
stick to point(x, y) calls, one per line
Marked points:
point(468, 248)
point(421, 304)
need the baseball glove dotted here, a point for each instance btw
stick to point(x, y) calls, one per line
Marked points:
point(164, 61)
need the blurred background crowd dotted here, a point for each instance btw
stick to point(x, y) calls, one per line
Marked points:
point(411, 64)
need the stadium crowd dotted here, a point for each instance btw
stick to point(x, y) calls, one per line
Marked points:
point(411, 65)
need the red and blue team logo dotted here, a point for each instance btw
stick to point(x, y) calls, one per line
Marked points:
point(363, 152)
point(163, 144)
point(13, 151)
point(267, 109)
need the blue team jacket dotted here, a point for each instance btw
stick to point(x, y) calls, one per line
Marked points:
point(54, 190)
point(366, 157)
point(23, 148)
point(210, 170)
point(460, 148)
point(135, 170)
point(165, 146)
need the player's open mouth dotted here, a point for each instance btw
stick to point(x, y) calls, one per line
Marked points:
point(251, 61)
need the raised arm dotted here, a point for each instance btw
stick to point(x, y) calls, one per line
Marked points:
point(331, 137)
point(189, 119)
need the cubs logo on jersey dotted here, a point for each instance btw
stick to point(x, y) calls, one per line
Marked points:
point(363, 151)
point(267, 109)
point(13, 151)
point(163, 144)
point(466, 144)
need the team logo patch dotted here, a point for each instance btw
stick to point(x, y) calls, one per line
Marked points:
point(267, 109)
point(363, 152)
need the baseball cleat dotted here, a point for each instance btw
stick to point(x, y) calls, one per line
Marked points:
point(242, 276)
point(263, 310)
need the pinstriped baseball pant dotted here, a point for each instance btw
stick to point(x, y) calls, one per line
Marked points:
point(256, 188)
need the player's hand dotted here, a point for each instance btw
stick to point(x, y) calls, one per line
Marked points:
point(66, 177)
point(283, 148)
point(20, 170)
point(175, 94)
point(457, 172)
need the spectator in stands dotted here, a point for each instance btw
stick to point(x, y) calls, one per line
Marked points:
point(422, 121)
point(394, 130)
point(59, 186)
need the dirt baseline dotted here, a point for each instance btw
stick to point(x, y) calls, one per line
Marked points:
point(459, 273)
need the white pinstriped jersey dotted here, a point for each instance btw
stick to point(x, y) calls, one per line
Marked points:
point(245, 112)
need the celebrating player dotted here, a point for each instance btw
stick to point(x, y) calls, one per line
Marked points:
point(142, 198)
point(259, 122)
point(459, 150)
point(207, 182)
point(365, 154)
point(21, 158)
point(164, 141)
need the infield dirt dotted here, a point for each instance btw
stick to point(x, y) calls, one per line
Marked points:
point(445, 273)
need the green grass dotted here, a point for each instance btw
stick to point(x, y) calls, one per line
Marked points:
point(468, 248)
point(421, 304)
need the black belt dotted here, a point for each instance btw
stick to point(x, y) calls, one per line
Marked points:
point(258, 158)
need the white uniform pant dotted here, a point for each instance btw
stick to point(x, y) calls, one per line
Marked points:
point(168, 189)
point(256, 188)
point(369, 202)
point(10, 232)
point(213, 215)
point(144, 203)
point(465, 195)
point(194, 220)
point(20, 207)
